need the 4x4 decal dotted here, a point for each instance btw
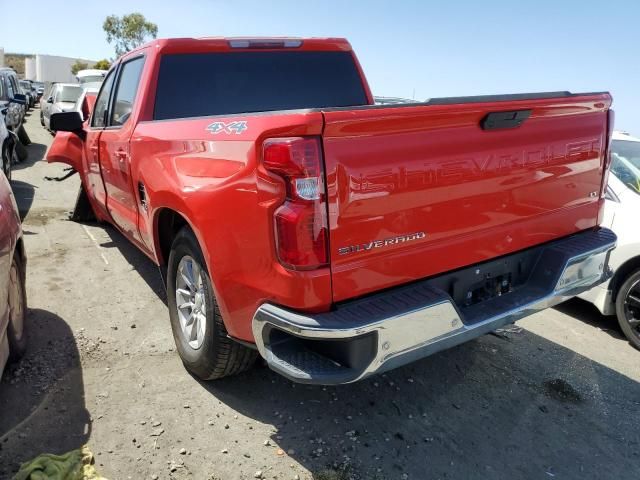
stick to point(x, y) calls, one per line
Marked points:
point(232, 127)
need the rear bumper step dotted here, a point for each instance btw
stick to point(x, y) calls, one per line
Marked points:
point(395, 327)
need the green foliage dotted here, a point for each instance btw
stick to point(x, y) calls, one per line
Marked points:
point(129, 31)
point(103, 64)
point(76, 67)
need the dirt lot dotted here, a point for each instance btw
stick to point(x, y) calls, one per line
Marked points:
point(558, 398)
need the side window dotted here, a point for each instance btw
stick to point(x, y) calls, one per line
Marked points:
point(14, 85)
point(102, 102)
point(10, 89)
point(2, 95)
point(126, 91)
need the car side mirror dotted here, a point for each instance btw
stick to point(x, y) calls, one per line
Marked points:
point(19, 98)
point(4, 111)
point(66, 122)
point(50, 100)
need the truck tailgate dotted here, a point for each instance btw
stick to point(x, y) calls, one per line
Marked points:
point(417, 190)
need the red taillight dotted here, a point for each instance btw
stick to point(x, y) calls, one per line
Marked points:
point(301, 222)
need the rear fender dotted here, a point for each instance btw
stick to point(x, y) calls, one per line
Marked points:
point(66, 148)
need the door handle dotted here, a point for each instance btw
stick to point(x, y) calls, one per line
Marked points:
point(121, 155)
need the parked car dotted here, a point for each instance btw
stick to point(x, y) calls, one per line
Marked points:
point(27, 92)
point(86, 101)
point(13, 103)
point(8, 141)
point(48, 93)
point(12, 99)
point(620, 296)
point(13, 307)
point(338, 238)
point(91, 76)
point(61, 98)
point(34, 93)
point(39, 86)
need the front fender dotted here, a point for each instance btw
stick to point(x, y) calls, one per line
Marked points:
point(66, 148)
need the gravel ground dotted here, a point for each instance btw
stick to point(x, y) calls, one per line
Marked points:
point(557, 398)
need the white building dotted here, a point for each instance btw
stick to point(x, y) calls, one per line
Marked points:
point(1, 57)
point(51, 68)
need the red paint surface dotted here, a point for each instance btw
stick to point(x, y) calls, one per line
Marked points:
point(390, 172)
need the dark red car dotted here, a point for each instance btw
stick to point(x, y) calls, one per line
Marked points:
point(13, 297)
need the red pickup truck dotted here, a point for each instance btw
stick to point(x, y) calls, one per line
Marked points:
point(292, 217)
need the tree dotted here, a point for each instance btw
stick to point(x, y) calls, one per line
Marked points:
point(103, 64)
point(76, 67)
point(129, 31)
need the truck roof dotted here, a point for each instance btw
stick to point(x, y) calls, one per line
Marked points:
point(203, 44)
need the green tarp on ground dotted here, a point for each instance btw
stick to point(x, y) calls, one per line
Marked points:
point(74, 465)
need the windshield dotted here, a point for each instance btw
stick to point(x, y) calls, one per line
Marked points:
point(68, 94)
point(91, 78)
point(625, 163)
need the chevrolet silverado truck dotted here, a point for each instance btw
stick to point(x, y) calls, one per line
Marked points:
point(292, 217)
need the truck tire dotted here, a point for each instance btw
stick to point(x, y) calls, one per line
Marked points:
point(6, 159)
point(198, 329)
point(23, 136)
point(16, 330)
point(628, 308)
point(21, 152)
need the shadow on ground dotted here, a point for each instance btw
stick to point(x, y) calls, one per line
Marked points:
point(514, 407)
point(44, 392)
point(589, 314)
point(148, 270)
point(35, 153)
point(24, 194)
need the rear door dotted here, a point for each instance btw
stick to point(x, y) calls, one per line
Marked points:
point(415, 191)
point(114, 149)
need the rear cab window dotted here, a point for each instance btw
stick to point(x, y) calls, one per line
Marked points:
point(224, 83)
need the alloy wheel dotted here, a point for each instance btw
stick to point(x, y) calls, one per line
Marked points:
point(191, 302)
point(632, 307)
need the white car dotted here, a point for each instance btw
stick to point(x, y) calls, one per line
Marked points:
point(620, 296)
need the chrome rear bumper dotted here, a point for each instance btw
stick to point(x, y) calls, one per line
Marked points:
point(392, 328)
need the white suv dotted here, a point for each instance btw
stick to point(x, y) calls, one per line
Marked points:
point(621, 295)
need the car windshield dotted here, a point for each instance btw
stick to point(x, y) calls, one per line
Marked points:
point(69, 94)
point(625, 163)
point(91, 79)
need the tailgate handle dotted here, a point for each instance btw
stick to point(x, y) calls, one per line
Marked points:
point(498, 120)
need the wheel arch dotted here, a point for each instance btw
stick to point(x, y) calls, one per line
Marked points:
point(167, 223)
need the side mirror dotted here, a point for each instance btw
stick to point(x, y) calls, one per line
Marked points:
point(4, 111)
point(20, 99)
point(66, 122)
point(50, 100)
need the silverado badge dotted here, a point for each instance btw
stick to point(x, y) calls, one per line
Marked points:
point(363, 247)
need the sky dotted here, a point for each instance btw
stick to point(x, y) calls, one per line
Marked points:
point(414, 49)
